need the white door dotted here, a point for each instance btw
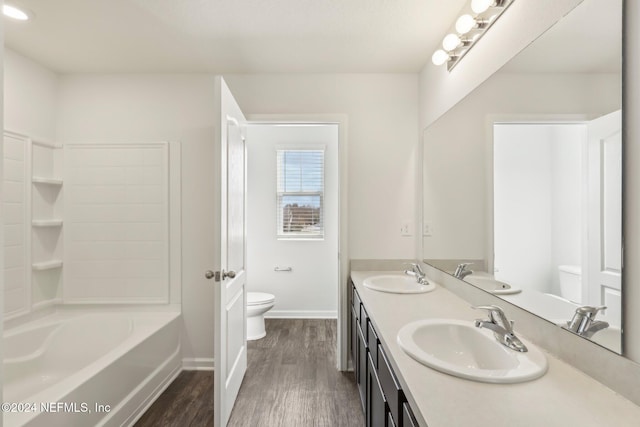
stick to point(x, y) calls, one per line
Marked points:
point(605, 214)
point(230, 275)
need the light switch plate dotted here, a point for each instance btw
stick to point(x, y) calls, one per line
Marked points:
point(427, 228)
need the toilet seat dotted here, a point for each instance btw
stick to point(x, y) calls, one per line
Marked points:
point(259, 298)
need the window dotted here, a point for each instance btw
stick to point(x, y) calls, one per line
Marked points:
point(300, 193)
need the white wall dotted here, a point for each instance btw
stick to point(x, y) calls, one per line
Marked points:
point(382, 112)
point(538, 202)
point(457, 150)
point(522, 23)
point(311, 289)
point(2, 73)
point(522, 205)
point(30, 92)
point(568, 193)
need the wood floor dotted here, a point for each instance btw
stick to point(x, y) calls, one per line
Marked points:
point(291, 380)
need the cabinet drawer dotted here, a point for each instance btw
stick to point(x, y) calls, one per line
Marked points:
point(354, 337)
point(372, 338)
point(390, 422)
point(361, 377)
point(376, 413)
point(356, 304)
point(364, 321)
point(389, 383)
point(408, 419)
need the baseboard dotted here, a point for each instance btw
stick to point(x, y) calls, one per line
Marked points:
point(198, 363)
point(301, 314)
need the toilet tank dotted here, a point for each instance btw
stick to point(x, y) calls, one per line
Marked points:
point(571, 282)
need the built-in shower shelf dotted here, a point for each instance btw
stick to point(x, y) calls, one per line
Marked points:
point(47, 223)
point(46, 181)
point(47, 265)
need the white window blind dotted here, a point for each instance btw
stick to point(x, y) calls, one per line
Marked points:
point(300, 193)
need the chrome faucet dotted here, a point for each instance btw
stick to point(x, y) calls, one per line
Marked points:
point(461, 270)
point(501, 327)
point(416, 271)
point(584, 323)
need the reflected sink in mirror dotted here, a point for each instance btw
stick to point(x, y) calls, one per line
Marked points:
point(397, 284)
point(458, 348)
point(492, 285)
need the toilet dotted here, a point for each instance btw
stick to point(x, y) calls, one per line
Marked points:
point(258, 303)
point(571, 282)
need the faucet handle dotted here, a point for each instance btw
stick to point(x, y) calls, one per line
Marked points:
point(497, 316)
point(415, 267)
point(463, 265)
point(590, 311)
point(490, 308)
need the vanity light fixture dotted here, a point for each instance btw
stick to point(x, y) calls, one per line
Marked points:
point(480, 6)
point(439, 57)
point(15, 12)
point(465, 23)
point(469, 28)
point(450, 42)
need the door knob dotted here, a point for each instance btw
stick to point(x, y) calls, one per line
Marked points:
point(209, 274)
point(229, 274)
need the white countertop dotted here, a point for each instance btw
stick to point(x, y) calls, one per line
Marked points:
point(564, 396)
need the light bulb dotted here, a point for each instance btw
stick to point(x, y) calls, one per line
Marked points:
point(14, 12)
point(450, 42)
point(439, 57)
point(465, 23)
point(479, 6)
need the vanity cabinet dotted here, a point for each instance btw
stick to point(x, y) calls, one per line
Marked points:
point(382, 398)
point(408, 419)
point(362, 366)
point(376, 412)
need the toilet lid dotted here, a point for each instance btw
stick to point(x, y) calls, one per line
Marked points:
point(255, 298)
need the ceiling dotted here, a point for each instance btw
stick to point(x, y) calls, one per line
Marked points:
point(232, 36)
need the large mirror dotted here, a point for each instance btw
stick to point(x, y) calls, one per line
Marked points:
point(522, 178)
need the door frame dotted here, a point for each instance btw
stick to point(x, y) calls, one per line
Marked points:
point(343, 241)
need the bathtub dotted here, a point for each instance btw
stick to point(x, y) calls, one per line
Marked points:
point(88, 369)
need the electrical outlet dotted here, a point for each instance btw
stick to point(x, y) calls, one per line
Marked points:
point(427, 228)
point(405, 229)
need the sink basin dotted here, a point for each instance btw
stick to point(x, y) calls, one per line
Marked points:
point(397, 284)
point(460, 349)
point(492, 285)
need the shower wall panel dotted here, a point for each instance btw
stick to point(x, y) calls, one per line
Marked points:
point(16, 288)
point(117, 223)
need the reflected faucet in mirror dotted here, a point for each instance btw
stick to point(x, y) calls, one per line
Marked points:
point(584, 323)
point(461, 270)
